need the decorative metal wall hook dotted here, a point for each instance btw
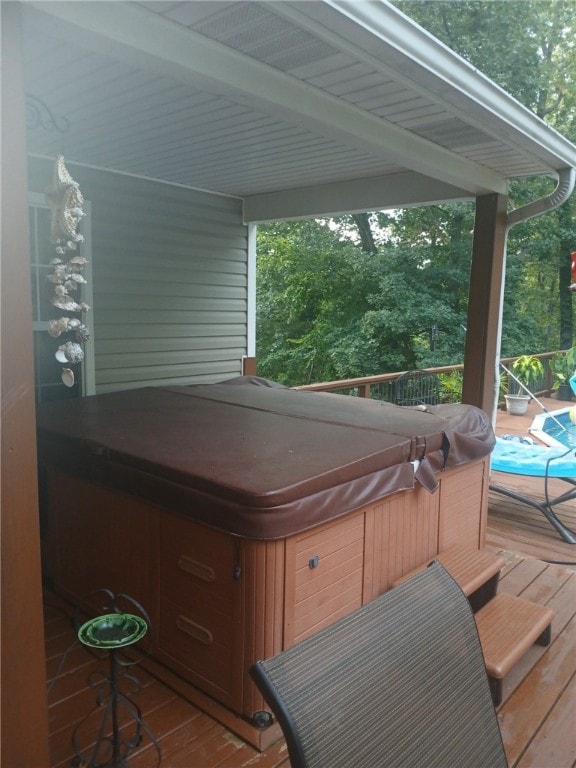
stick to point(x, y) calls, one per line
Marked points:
point(39, 115)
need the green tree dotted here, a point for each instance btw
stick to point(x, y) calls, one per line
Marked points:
point(329, 310)
point(359, 294)
point(529, 48)
point(308, 301)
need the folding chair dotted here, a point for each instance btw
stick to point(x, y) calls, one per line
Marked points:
point(399, 683)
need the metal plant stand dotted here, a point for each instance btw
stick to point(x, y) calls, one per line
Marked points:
point(121, 725)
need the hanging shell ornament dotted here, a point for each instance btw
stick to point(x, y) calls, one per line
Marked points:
point(71, 352)
point(58, 327)
point(82, 334)
point(66, 303)
point(65, 200)
point(67, 377)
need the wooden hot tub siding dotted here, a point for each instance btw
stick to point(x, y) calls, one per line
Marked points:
point(217, 601)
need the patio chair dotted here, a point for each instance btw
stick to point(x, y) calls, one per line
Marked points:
point(399, 683)
point(417, 388)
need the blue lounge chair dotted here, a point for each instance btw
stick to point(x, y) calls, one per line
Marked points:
point(517, 458)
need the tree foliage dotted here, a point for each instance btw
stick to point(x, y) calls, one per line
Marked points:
point(360, 294)
point(529, 48)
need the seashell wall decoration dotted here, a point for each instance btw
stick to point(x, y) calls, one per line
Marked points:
point(66, 200)
point(67, 377)
point(71, 352)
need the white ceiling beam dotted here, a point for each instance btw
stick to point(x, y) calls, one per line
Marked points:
point(130, 32)
point(400, 190)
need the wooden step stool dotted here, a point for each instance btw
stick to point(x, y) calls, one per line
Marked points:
point(508, 626)
point(476, 571)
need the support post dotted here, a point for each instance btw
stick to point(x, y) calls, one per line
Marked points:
point(487, 275)
point(23, 677)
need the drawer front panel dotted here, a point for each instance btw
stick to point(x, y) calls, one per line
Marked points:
point(200, 602)
point(202, 644)
point(197, 565)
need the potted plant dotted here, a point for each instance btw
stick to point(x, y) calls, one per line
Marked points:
point(528, 370)
point(451, 387)
point(563, 366)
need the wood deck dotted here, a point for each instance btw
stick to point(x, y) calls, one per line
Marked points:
point(538, 711)
point(517, 527)
point(536, 717)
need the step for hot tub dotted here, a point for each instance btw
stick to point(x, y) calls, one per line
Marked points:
point(476, 571)
point(508, 626)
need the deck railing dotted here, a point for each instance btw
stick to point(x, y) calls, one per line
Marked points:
point(381, 386)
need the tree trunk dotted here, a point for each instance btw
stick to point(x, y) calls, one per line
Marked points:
point(365, 231)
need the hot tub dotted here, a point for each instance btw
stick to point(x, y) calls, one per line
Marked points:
point(246, 516)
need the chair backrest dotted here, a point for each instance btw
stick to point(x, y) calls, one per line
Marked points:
point(417, 388)
point(399, 683)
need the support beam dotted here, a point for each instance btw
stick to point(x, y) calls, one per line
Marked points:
point(23, 677)
point(376, 193)
point(486, 291)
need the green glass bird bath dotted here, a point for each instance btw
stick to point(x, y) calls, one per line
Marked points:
point(113, 630)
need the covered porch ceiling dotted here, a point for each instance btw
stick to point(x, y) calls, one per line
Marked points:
point(298, 108)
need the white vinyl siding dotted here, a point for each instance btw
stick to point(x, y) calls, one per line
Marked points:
point(169, 280)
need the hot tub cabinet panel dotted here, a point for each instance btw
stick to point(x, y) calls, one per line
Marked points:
point(460, 496)
point(95, 539)
point(321, 547)
point(200, 596)
point(219, 602)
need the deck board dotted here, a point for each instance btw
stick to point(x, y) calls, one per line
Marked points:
point(536, 698)
point(556, 737)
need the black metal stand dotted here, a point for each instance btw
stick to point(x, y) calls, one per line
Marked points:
point(121, 724)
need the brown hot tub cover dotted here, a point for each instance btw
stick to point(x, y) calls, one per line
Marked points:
point(256, 459)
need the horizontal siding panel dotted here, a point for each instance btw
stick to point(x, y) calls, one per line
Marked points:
point(167, 317)
point(180, 254)
point(170, 281)
point(132, 289)
point(186, 331)
point(195, 377)
point(165, 240)
point(180, 220)
point(123, 276)
point(163, 344)
point(167, 357)
point(161, 375)
point(129, 302)
point(151, 256)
